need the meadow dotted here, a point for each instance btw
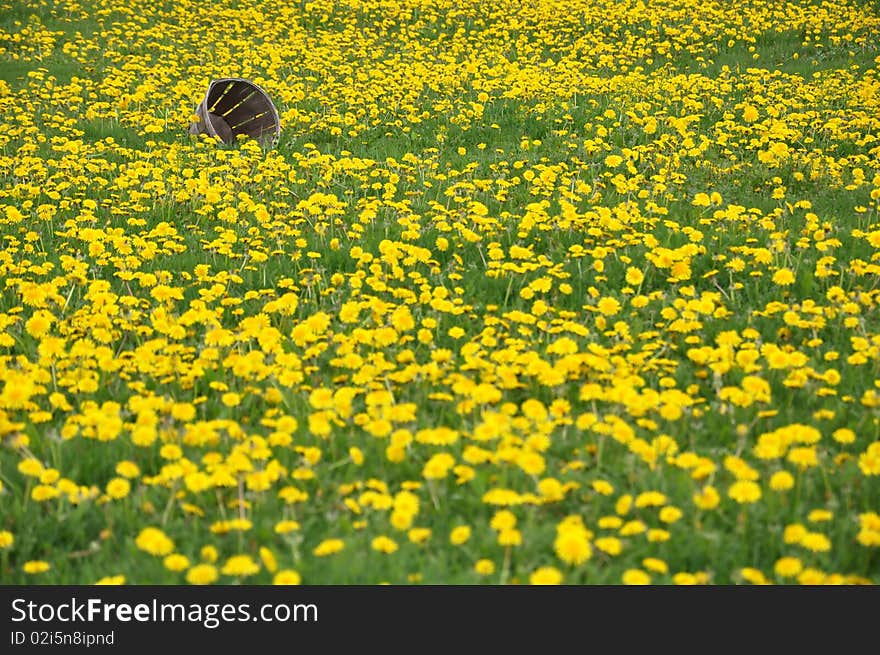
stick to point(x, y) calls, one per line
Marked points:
point(528, 292)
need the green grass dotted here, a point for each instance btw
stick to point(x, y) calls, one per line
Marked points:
point(426, 180)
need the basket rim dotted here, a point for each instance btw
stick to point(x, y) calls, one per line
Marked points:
point(261, 90)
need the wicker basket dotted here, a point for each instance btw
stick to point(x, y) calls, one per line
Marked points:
point(234, 106)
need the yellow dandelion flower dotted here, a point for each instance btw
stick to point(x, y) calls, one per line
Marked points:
point(459, 535)
point(655, 565)
point(31, 467)
point(843, 435)
point(170, 451)
point(781, 481)
point(684, 578)
point(240, 566)
point(670, 514)
point(484, 567)
point(384, 544)
point(820, 516)
point(283, 527)
point(231, 399)
point(111, 580)
point(268, 559)
point(793, 533)
point(701, 200)
point(202, 574)
point(804, 457)
point(650, 499)
point(503, 520)
point(34, 567)
point(328, 547)
point(657, 536)
point(118, 488)
point(401, 520)
point(816, 542)
point(745, 492)
point(510, 537)
point(811, 576)
point(623, 504)
point(128, 469)
point(635, 577)
point(608, 306)
point(753, 576)
point(154, 541)
point(788, 567)
point(634, 276)
point(610, 522)
point(438, 466)
point(176, 562)
point(609, 545)
point(209, 554)
point(287, 577)
point(869, 461)
point(631, 528)
point(43, 492)
point(572, 547)
point(546, 575)
point(783, 277)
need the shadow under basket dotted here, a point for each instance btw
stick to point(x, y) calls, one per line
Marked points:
point(234, 106)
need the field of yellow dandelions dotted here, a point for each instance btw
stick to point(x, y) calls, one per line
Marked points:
point(528, 292)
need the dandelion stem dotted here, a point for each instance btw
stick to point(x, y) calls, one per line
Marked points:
point(172, 496)
point(505, 567)
point(240, 497)
point(433, 493)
